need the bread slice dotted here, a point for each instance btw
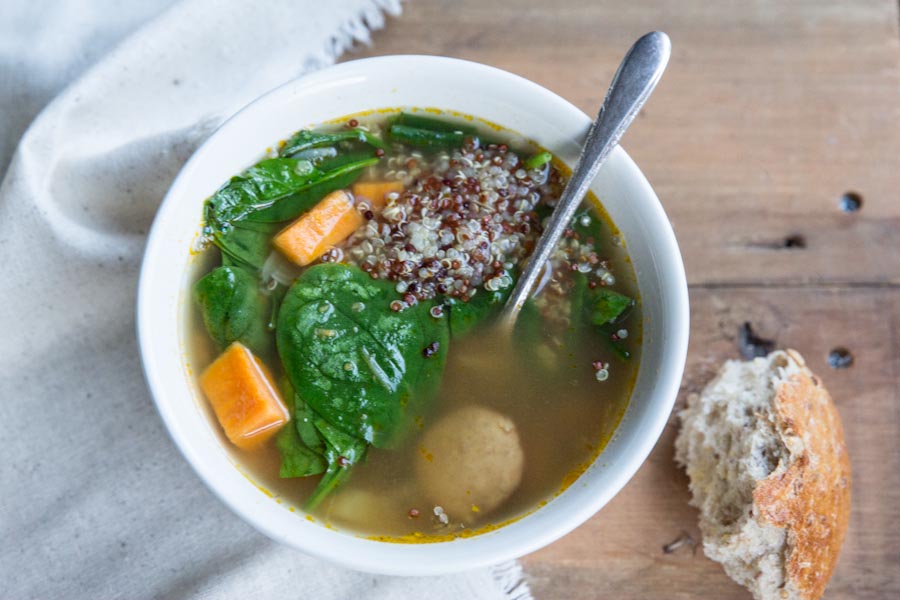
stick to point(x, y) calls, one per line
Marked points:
point(764, 450)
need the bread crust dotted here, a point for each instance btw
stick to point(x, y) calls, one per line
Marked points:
point(810, 497)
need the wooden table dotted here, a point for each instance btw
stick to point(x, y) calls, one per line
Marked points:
point(770, 111)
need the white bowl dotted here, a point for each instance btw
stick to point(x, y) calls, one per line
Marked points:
point(411, 81)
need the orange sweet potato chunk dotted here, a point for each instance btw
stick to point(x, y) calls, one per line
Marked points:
point(376, 191)
point(246, 402)
point(330, 222)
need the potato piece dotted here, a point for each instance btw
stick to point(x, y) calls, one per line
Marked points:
point(246, 402)
point(329, 222)
point(470, 462)
point(376, 192)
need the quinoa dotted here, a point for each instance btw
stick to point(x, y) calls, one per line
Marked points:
point(467, 220)
point(464, 221)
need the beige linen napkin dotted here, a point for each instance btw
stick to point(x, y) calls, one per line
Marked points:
point(95, 501)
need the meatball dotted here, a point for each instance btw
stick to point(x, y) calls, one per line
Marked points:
point(470, 462)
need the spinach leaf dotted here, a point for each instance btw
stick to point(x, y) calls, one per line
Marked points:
point(532, 345)
point(297, 459)
point(582, 303)
point(344, 158)
point(306, 139)
point(257, 188)
point(304, 197)
point(606, 309)
point(342, 452)
point(353, 360)
point(586, 222)
point(305, 420)
point(577, 298)
point(276, 190)
point(301, 446)
point(607, 306)
point(309, 445)
point(275, 298)
point(464, 316)
point(317, 155)
point(603, 307)
point(529, 325)
point(245, 244)
point(233, 308)
point(618, 347)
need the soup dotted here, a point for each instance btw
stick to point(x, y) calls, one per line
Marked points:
point(342, 324)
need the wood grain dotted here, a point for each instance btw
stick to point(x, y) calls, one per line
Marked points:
point(769, 112)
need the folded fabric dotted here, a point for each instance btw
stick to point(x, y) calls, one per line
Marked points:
point(96, 502)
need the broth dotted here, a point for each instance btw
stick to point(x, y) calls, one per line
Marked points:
point(561, 383)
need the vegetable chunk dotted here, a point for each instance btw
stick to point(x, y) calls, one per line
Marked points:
point(243, 396)
point(376, 191)
point(330, 222)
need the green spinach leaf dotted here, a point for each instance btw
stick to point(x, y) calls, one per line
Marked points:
point(277, 190)
point(275, 298)
point(309, 445)
point(344, 158)
point(577, 299)
point(305, 420)
point(257, 188)
point(464, 316)
point(353, 360)
point(317, 155)
point(618, 347)
point(532, 345)
point(301, 446)
point(607, 306)
point(304, 197)
point(306, 139)
point(245, 244)
point(233, 308)
point(297, 459)
point(586, 223)
point(342, 452)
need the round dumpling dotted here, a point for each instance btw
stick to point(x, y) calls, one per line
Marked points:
point(470, 462)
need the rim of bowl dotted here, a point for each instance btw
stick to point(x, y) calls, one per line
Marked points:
point(460, 554)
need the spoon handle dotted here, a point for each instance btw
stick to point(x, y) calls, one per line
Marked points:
point(635, 79)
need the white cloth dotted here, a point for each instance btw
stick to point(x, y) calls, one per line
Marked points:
point(95, 501)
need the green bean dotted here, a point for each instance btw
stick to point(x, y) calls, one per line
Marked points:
point(427, 138)
point(431, 123)
point(538, 160)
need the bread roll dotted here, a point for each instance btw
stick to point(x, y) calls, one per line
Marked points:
point(764, 450)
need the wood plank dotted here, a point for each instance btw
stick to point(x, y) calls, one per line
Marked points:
point(619, 551)
point(769, 112)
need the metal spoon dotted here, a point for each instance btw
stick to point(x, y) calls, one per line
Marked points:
point(632, 85)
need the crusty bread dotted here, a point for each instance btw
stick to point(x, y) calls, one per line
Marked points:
point(764, 449)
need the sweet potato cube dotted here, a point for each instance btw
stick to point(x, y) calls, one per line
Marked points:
point(376, 192)
point(243, 396)
point(329, 222)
